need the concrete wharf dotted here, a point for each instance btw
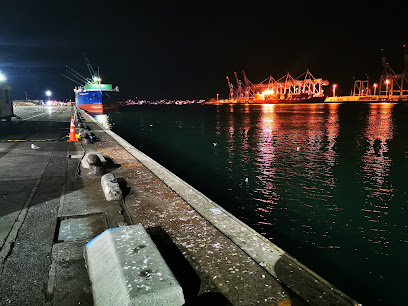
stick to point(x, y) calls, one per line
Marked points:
point(50, 208)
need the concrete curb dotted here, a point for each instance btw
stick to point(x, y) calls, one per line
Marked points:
point(307, 284)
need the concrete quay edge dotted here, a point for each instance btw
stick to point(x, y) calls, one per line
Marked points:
point(268, 255)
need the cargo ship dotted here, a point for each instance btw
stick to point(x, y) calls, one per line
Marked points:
point(92, 95)
point(303, 89)
point(96, 97)
point(286, 98)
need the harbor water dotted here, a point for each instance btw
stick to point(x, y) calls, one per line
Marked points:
point(325, 182)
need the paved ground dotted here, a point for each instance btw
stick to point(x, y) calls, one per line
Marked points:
point(50, 207)
point(30, 190)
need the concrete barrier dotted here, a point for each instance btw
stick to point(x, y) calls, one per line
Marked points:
point(126, 268)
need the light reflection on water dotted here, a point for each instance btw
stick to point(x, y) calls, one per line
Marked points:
point(103, 119)
point(295, 159)
point(326, 182)
point(376, 167)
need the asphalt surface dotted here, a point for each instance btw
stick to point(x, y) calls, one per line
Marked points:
point(30, 190)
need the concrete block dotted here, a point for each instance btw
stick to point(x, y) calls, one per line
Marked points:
point(126, 268)
point(110, 187)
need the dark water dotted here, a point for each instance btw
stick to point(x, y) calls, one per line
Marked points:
point(325, 182)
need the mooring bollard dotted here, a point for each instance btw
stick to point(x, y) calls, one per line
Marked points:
point(94, 163)
point(86, 138)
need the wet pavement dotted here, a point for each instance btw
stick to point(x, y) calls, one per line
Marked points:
point(50, 207)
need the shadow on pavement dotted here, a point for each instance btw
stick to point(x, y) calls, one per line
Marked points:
point(182, 270)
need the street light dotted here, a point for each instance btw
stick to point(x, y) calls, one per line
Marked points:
point(48, 94)
point(334, 89)
point(2, 77)
point(375, 88)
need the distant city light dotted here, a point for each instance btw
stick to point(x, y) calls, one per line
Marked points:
point(3, 77)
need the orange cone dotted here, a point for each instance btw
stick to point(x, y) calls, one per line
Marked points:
point(72, 137)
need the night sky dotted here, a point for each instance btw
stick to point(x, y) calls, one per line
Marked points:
point(184, 50)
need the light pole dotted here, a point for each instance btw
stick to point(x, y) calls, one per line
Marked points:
point(217, 96)
point(2, 77)
point(387, 81)
point(375, 88)
point(334, 89)
point(48, 94)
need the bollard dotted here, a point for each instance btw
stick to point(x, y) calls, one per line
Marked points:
point(85, 138)
point(93, 162)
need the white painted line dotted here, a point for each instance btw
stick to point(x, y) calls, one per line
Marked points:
point(33, 116)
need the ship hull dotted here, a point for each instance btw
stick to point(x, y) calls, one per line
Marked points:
point(290, 101)
point(303, 100)
point(98, 101)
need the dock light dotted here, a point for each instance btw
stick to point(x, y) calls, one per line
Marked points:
point(334, 89)
point(2, 77)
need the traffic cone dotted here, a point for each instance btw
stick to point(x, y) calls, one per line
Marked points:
point(72, 136)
